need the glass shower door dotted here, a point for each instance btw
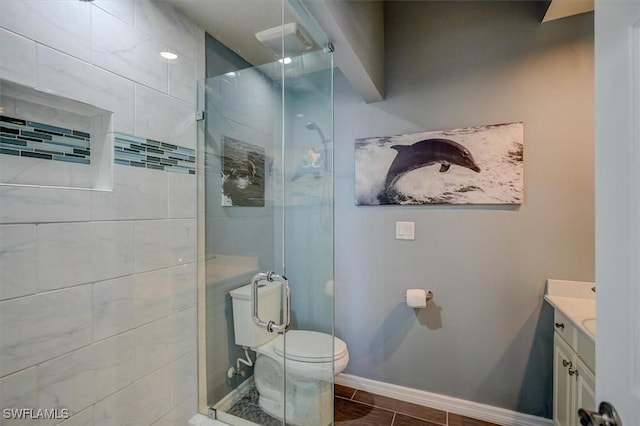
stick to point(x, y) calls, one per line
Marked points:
point(267, 195)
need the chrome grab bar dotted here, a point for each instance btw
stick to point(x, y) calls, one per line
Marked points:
point(271, 326)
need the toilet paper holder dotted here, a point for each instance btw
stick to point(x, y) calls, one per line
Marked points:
point(429, 294)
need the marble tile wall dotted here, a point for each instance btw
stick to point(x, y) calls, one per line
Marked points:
point(98, 288)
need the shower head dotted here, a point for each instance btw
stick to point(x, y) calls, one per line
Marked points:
point(311, 125)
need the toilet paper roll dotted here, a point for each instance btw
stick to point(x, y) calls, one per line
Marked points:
point(417, 298)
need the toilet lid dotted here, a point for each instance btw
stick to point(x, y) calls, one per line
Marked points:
point(310, 346)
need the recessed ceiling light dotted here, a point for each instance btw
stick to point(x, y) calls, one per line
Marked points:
point(299, 115)
point(169, 55)
point(285, 61)
point(230, 74)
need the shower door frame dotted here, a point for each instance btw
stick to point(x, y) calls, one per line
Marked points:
point(286, 162)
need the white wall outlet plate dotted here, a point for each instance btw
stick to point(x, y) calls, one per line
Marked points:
point(405, 230)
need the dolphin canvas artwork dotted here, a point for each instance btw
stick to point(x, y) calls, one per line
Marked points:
point(243, 173)
point(472, 165)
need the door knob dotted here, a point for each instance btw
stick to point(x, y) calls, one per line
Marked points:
point(606, 416)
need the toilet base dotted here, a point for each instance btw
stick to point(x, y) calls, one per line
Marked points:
point(308, 402)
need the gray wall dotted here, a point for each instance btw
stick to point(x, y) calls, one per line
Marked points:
point(243, 107)
point(487, 336)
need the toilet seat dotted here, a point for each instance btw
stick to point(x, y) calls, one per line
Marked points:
point(309, 346)
point(303, 362)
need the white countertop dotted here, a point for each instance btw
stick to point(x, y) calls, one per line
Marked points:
point(576, 301)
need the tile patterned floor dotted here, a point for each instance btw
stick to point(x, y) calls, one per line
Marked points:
point(360, 408)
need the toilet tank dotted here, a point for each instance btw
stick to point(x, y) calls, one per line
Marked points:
point(269, 302)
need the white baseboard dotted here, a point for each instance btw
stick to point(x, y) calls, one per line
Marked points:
point(462, 407)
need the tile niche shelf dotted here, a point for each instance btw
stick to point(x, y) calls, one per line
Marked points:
point(48, 140)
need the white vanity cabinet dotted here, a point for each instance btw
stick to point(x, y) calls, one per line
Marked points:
point(573, 367)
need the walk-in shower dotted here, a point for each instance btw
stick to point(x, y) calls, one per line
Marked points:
point(267, 204)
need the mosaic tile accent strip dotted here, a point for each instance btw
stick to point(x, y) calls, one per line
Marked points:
point(151, 154)
point(38, 140)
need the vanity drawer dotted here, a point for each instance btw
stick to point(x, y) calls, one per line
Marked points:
point(565, 329)
point(586, 350)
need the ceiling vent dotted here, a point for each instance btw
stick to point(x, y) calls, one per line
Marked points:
point(296, 39)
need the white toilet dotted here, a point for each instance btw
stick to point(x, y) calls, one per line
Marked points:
point(311, 359)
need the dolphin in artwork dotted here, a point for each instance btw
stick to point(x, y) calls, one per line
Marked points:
point(428, 152)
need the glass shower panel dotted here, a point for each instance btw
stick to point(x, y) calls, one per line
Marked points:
point(242, 128)
point(266, 145)
point(307, 234)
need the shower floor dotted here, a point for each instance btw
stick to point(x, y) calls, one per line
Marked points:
point(246, 407)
